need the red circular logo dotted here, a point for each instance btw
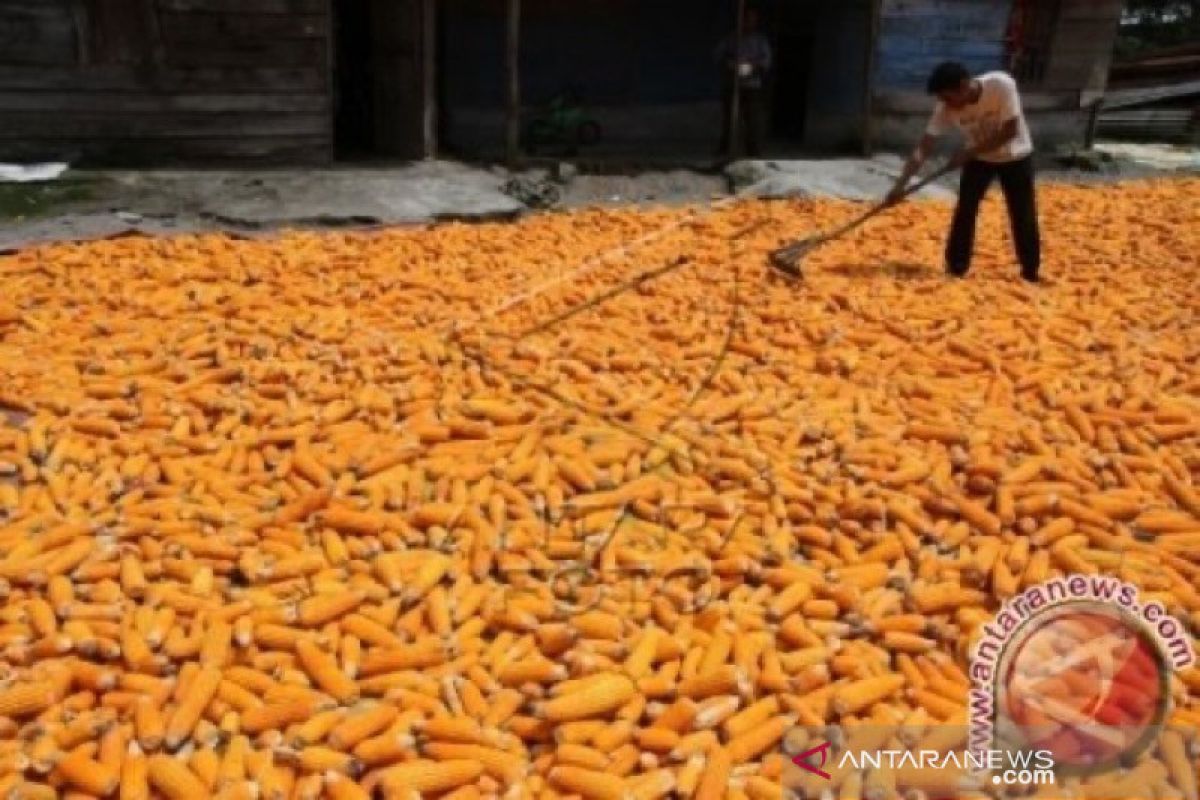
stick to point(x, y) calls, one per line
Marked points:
point(1084, 682)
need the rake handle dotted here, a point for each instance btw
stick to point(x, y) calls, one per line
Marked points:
point(784, 257)
point(912, 189)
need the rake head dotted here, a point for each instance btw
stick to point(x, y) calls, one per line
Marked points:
point(787, 259)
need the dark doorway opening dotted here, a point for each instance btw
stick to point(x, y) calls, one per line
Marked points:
point(793, 40)
point(354, 112)
point(819, 89)
point(379, 75)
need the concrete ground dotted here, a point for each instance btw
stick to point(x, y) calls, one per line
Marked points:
point(92, 204)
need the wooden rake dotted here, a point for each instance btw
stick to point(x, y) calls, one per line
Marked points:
point(787, 258)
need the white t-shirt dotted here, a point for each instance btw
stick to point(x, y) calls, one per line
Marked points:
point(998, 103)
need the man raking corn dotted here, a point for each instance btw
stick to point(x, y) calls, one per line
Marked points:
point(987, 109)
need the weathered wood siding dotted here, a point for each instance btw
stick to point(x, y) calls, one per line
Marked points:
point(162, 81)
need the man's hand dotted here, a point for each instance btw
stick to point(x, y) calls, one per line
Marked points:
point(911, 167)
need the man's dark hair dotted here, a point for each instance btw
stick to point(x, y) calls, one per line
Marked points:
point(946, 76)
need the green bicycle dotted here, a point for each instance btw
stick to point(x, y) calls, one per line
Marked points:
point(562, 124)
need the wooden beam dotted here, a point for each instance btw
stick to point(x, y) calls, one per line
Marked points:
point(868, 136)
point(89, 101)
point(329, 81)
point(906, 102)
point(1179, 116)
point(429, 77)
point(1122, 98)
point(512, 53)
point(1093, 124)
point(242, 6)
point(172, 80)
point(734, 128)
point(83, 32)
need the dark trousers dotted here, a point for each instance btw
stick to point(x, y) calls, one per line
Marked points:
point(750, 119)
point(1016, 181)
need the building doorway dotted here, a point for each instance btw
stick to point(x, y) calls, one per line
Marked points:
point(819, 86)
point(379, 87)
point(793, 43)
point(354, 107)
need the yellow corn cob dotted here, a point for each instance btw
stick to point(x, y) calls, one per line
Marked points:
point(424, 775)
point(602, 696)
point(172, 778)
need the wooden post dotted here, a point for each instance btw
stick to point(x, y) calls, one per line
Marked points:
point(512, 70)
point(429, 97)
point(153, 35)
point(1089, 136)
point(735, 148)
point(83, 32)
point(869, 80)
point(330, 81)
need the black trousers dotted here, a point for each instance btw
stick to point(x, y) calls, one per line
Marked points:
point(1016, 181)
point(750, 113)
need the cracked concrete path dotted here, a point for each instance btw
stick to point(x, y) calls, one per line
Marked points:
point(246, 201)
point(261, 202)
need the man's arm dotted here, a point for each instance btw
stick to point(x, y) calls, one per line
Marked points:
point(912, 166)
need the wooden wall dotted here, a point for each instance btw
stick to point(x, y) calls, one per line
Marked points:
point(915, 35)
point(162, 81)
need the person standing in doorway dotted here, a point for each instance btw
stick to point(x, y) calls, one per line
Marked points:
point(987, 109)
point(746, 67)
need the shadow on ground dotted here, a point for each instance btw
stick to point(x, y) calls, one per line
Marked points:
point(896, 270)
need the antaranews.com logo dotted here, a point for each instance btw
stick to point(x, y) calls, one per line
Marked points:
point(1071, 693)
point(1079, 667)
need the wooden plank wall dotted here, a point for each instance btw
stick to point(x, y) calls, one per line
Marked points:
point(165, 81)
